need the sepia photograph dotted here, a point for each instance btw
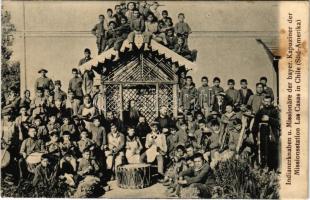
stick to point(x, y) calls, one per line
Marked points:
point(143, 99)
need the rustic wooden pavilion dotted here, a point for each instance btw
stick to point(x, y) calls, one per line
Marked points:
point(148, 77)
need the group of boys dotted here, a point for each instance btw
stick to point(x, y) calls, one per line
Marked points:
point(77, 139)
point(141, 18)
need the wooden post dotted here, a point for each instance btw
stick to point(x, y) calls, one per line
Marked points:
point(175, 100)
point(121, 101)
point(157, 99)
point(105, 99)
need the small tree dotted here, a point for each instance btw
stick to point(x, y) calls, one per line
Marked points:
point(10, 70)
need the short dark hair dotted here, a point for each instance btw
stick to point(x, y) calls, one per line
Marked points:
point(189, 146)
point(130, 3)
point(198, 155)
point(181, 147)
point(263, 78)
point(237, 121)
point(257, 84)
point(164, 11)
point(75, 70)
point(204, 77)
point(109, 9)
point(214, 122)
point(181, 14)
point(87, 50)
point(117, 6)
point(135, 9)
point(216, 79)
point(101, 15)
point(189, 77)
point(201, 121)
point(243, 81)
point(267, 97)
point(231, 81)
point(124, 17)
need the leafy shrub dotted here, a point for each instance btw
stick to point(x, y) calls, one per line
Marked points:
point(235, 178)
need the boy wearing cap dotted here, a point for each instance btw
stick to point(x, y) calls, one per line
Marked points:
point(44, 82)
point(99, 32)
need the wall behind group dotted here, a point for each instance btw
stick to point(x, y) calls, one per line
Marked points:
point(53, 35)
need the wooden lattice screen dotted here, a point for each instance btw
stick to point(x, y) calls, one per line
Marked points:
point(145, 78)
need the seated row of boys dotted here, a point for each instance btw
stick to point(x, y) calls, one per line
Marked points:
point(139, 20)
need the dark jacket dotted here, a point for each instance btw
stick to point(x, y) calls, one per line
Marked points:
point(204, 175)
point(245, 98)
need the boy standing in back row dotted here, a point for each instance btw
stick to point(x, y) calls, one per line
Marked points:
point(99, 32)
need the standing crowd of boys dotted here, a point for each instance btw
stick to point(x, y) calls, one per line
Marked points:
point(78, 137)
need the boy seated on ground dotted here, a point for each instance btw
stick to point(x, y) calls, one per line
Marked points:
point(182, 49)
point(84, 142)
point(200, 177)
point(87, 165)
point(178, 165)
point(68, 168)
point(133, 146)
point(44, 173)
